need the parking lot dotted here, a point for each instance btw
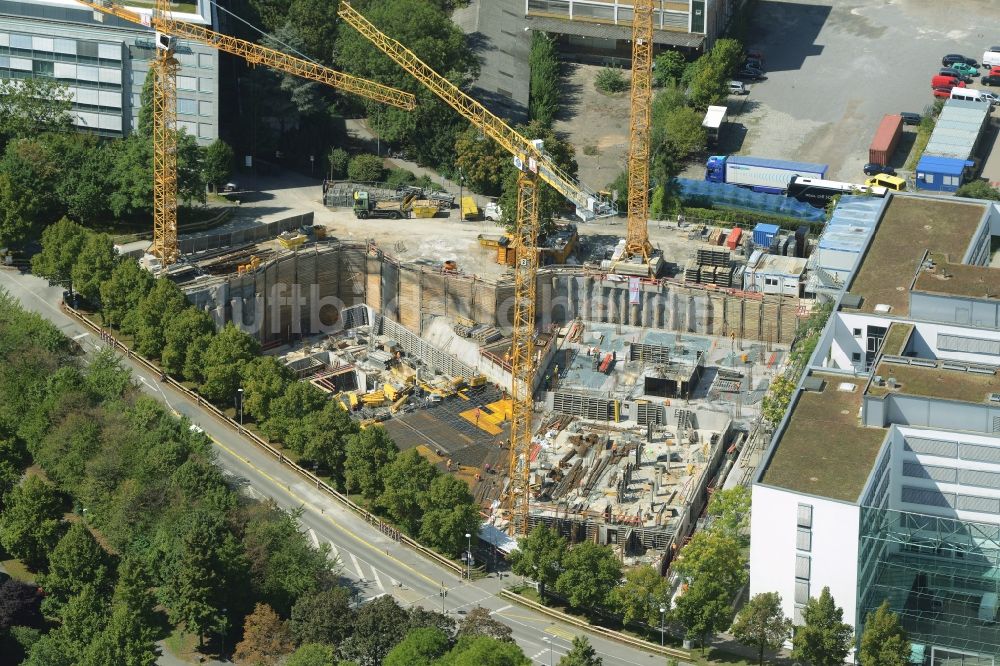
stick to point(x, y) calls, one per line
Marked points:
point(834, 71)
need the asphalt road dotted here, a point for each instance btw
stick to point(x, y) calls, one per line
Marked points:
point(370, 562)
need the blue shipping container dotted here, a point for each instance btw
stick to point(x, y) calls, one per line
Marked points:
point(763, 234)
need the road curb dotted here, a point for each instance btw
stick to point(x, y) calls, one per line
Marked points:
point(594, 629)
point(370, 518)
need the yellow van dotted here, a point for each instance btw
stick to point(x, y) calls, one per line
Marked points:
point(887, 181)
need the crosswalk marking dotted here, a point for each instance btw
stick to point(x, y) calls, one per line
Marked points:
point(560, 632)
point(378, 581)
point(334, 550)
point(357, 566)
point(393, 581)
point(313, 537)
point(500, 610)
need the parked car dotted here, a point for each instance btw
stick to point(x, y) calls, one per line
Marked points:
point(965, 69)
point(952, 58)
point(945, 81)
point(910, 118)
point(885, 180)
point(995, 71)
point(991, 80)
point(751, 73)
point(738, 88)
point(873, 169)
point(941, 91)
point(995, 49)
point(954, 73)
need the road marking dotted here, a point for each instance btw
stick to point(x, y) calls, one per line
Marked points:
point(394, 582)
point(560, 632)
point(500, 610)
point(357, 566)
point(312, 536)
point(378, 581)
point(82, 335)
point(334, 549)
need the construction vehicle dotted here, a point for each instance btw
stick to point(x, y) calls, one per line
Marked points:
point(164, 72)
point(470, 211)
point(366, 206)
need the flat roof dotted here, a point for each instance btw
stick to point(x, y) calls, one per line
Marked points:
point(824, 450)
point(949, 166)
point(749, 160)
point(957, 129)
point(852, 223)
point(936, 382)
point(959, 279)
point(911, 226)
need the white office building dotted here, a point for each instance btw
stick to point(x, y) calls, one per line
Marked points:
point(104, 61)
point(883, 480)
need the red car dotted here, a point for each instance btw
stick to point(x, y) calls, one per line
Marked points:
point(941, 91)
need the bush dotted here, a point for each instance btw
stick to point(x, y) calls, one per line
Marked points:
point(543, 96)
point(399, 177)
point(338, 159)
point(610, 80)
point(979, 189)
point(668, 68)
point(366, 168)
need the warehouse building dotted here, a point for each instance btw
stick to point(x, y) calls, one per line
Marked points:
point(104, 60)
point(602, 29)
point(883, 480)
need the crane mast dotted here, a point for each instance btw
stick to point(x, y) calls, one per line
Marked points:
point(164, 72)
point(637, 238)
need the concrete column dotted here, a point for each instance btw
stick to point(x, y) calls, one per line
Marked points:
point(692, 308)
point(586, 297)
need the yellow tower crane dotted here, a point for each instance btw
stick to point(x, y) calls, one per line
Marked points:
point(637, 239)
point(534, 165)
point(164, 71)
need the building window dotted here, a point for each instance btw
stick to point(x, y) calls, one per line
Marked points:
point(204, 108)
point(187, 107)
point(770, 282)
point(798, 618)
point(205, 60)
point(801, 591)
point(856, 357)
point(803, 539)
point(857, 332)
point(802, 567)
point(187, 83)
point(206, 85)
point(805, 515)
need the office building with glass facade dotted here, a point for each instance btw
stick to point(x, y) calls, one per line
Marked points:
point(103, 60)
point(883, 480)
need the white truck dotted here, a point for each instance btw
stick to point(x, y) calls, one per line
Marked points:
point(715, 117)
point(493, 212)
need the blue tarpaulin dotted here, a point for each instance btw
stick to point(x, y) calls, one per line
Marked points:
point(740, 198)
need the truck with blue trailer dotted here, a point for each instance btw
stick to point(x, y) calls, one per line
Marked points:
point(759, 174)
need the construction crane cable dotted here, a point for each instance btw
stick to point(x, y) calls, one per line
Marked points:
point(265, 35)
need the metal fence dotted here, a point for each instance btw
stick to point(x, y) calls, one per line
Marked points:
point(244, 236)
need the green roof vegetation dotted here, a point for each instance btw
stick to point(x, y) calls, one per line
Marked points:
point(959, 279)
point(896, 339)
point(911, 226)
point(824, 450)
point(936, 382)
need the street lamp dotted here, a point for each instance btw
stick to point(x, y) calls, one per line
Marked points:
point(548, 641)
point(461, 190)
point(225, 625)
point(663, 612)
point(468, 555)
point(239, 395)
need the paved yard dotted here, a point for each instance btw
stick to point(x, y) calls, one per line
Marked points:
point(835, 68)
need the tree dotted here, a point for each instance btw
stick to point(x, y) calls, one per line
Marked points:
point(590, 572)
point(727, 53)
point(777, 399)
point(683, 128)
point(76, 561)
point(323, 616)
point(217, 163)
point(84, 617)
point(94, 265)
point(484, 651)
point(223, 363)
point(884, 641)
point(379, 625)
point(367, 452)
point(265, 378)
point(148, 321)
point(179, 335)
point(20, 605)
point(191, 184)
point(581, 653)
point(366, 168)
point(978, 189)
point(61, 245)
point(265, 638)
point(29, 185)
point(762, 624)
point(665, 168)
point(132, 174)
point(286, 413)
point(539, 556)
point(730, 512)
point(33, 106)
point(824, 639)
point(641, 596)
point(325, 433)
point(479, 622)
point(481, 160)
point(550, 201)
point(668, 68)
point(124, 290)
point(312, 654)
point(543, 94)
point(421, 647)
point(125, 641)
point(702, 609)
point(708, 84)
point(337, 161)
point(30, 523)
point(405, 480)
point(449, 513)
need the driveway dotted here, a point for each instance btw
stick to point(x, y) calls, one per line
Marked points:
point(835, 68)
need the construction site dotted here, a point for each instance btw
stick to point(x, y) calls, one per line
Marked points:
point(602, 388)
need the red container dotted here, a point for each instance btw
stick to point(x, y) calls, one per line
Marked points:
point(734, 238)
point(886, 138)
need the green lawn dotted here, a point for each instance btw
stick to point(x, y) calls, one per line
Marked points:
point(17, 571)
